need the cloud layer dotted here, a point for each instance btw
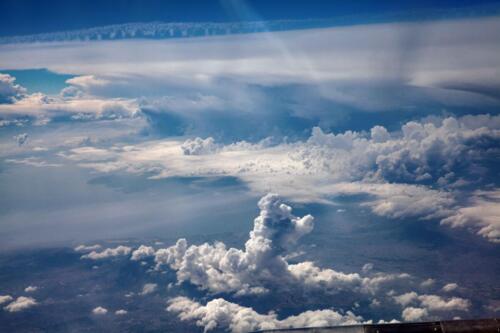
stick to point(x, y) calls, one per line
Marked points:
point(428, 170)
point(378, 67)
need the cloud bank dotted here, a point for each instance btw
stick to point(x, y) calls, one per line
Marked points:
point(428, 169)
point(221, 314)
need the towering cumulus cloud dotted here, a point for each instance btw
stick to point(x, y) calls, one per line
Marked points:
point(218, 269)
point(262, 266)
point(262, 269)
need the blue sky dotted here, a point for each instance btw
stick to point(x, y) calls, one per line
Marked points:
point(201, 165)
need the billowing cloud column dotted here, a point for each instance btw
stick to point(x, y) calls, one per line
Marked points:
point(218, 269)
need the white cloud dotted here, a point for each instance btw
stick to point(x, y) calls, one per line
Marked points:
point(121, 312)
point(13, 122)
point(83, 108)
point(108, 253)
point(379, 134)
point(142, 252)
point(406, 298)
point(482, 213)
point(395, 172)
point(431, 303)
point(148, 288)
point(79, 106)
point(88, 153)
point(87, 248)
point(218, 269)
point(367, 267)
point(30, 289)
point(199, 146)
point(99, 310)
point(363, 54)
point(21, 138)
point(437, 303)
point(313, 276)
point(84, 82)
point(262, 265)
point(427, 283)
point(414, 314)
point(20, 304)
point(376, 281)
point(450, 287)
point(10, 92)
point(5, 299)
point(401, 200)
point(32, 161)
point(401, 159)
point(221, 314)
